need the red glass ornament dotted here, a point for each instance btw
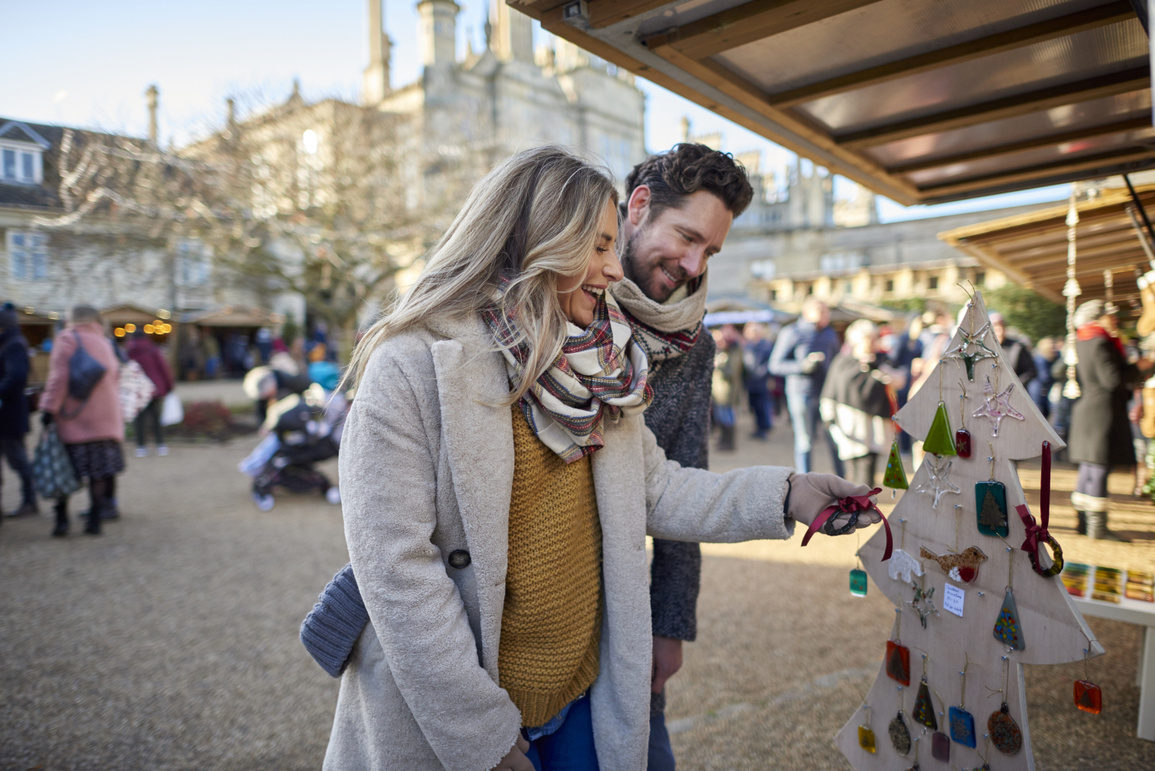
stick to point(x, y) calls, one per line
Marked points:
point(1088, 697)
point(898, 662)
point(962, 442)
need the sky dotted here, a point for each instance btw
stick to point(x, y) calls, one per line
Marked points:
point(87, 64)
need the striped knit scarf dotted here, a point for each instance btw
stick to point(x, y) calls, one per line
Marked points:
point(600, 371)
point(664, 330)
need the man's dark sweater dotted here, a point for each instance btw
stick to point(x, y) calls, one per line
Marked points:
point(679, 418)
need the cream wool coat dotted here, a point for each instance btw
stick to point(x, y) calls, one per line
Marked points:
point(426, 468)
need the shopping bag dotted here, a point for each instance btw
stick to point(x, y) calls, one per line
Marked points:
point(136, 390)
point(52, 469)
point(84, 372)
point(171, 411)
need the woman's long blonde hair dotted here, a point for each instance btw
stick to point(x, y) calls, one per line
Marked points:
point(531, 220)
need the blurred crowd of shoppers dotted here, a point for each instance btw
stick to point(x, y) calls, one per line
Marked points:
point(843, 390)
point(205, 354)
point(90, 428)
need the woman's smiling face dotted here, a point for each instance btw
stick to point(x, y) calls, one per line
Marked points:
point(579, 295)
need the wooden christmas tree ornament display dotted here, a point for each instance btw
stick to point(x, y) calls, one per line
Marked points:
point(973, 609)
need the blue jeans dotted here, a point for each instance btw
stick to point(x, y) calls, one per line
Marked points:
point(661, 754)
point(570, 747)
point(762, 405)
point(804, 419)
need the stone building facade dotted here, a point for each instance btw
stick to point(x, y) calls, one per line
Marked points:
point(95, 241)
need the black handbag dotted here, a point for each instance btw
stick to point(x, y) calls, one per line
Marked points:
point(84, 372)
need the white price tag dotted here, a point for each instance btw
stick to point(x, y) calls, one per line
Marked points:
point(952, 599)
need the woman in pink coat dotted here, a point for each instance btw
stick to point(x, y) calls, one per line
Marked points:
point(91, 430)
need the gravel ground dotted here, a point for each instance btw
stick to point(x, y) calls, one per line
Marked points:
point(171, 641)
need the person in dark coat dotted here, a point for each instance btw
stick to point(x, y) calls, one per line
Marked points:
point(145, 352)
point(14, 365)
point(1016, 350)
point(756, 360)
point(1100, 431)
point(802, 355)
point(1046, 354)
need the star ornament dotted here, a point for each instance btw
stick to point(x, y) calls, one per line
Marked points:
point(938, 469)
point(997, 406)
point(971, 339)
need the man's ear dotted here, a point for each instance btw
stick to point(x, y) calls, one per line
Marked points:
point(638, 207)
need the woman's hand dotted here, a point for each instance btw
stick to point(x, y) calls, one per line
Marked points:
point(811, 493)
point(515, 759)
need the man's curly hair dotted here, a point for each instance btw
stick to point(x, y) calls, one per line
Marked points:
point(687, 168)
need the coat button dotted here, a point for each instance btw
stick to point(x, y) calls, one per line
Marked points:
point(459, 559)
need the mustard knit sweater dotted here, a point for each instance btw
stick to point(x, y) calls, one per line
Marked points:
point(551, 621)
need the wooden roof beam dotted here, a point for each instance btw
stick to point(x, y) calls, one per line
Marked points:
point(963, 52)
point(1088, 253)
point(1056, 250)
point(1125, 81)
point(1042, 171)
point(606, 13)
point(1092, 272)
point(1056, 239)
point(1034, 228)
point(747, 23)
point(1088, 132)
point(850, 165)
point(601, 13)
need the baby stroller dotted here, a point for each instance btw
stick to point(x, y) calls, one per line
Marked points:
point(305, 429)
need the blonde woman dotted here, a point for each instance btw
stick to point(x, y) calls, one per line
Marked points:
point(498, 483)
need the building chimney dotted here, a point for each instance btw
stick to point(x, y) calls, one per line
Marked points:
point(513, 34)
point(438, 32)
point(152, 95)
point(231, 117)
point(375, 79)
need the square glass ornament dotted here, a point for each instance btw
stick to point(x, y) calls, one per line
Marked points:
point(962, 727)
point(1088, 697)
point(858, 582)
point(898, 662)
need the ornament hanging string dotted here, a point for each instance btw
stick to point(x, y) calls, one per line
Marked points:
point(890, 397)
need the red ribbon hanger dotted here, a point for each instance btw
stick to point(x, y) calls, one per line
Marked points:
point(1037, 533)
point(850, 505)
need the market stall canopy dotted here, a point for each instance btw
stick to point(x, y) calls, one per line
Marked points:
point(923, 102)
point(730, 310)
point(233, 316)
point(1032, 248)
point(128, 313)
